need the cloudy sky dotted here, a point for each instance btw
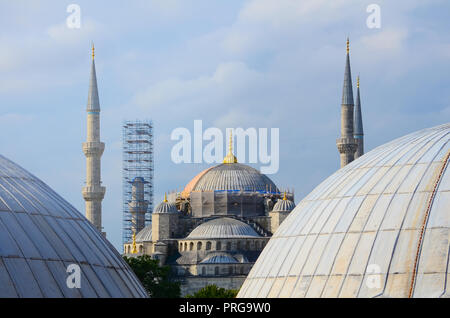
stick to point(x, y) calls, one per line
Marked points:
point(255, 63)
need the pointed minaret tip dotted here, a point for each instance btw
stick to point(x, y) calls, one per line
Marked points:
point(357, 82)
point(165, 197)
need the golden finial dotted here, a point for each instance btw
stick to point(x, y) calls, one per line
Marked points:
point(165, 197)
point(93, 50)
point(134, 249)
point(348, 45)
point(284, 197)
point(230, 158)
point(357, 82)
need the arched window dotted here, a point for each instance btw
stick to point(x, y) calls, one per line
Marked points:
point(199, 246)
point(216, 270)
point(185, 246)
point(247, 245)
point(228, 246)
point(203, 271)
point(191, 246)
point(218, 246)
point(230, 270)
point(238, 245)
point(242, 270)
point(181, 247)
point(141, 248)
point(208, 246)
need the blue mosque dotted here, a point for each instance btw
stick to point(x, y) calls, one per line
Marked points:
point(377, 227)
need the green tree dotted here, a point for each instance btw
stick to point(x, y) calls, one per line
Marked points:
point(156, 279)
point(212, 291)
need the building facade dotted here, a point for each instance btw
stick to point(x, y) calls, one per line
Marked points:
point(213, 231)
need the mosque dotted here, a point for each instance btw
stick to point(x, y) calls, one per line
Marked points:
point(378, 227)
point(213, 231)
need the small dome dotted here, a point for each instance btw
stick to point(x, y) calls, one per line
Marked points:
point(144, 235)
point(41, 234)
point(378, 227)
point(219, 258)
point(165, 207)
point(283, 205)
point(223, 228)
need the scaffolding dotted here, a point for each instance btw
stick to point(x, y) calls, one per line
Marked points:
point(137, 143)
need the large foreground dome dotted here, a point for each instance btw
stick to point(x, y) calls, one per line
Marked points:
point(379, 227)
point(41, 235)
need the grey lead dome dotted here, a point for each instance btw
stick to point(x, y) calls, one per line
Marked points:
point(358, 234)
point(41, 234)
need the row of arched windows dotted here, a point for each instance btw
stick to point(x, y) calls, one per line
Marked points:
point(191, 246)
point(228, 271)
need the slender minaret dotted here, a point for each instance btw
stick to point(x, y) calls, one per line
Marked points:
point(347, 144)
point(93, 192)
point(358, 132)
point(138, 206)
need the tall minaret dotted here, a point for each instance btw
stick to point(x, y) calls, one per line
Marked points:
point(358, 131)
point(347, 143)
point(93, 192)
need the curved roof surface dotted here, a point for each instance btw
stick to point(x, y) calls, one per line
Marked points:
point(144, 235)
point(219, 258)
point(233, 176)
point(284, 206)
point(41, 234)
point(222, 228)
point(165, 207)
point(358, 234)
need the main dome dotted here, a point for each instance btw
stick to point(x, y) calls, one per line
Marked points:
point(41, 234)
point(230, 176)
point(379, 227)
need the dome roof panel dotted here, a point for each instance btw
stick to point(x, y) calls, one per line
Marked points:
point(223, 228)
point(367, 218)
point(41, 234)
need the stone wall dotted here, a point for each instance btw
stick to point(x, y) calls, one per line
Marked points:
point(191, 285)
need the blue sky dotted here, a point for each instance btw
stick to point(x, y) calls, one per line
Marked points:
point(255, 63)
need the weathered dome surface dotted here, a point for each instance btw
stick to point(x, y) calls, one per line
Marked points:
point(165, 207)
point(222, 228)
point(284, 206)
point(219, 258)
point(358, 234)
point(233, 176)
point(144, 235)
point(41, 234)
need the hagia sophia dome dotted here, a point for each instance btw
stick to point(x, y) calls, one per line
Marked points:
point(41, 234)
point(379, 227)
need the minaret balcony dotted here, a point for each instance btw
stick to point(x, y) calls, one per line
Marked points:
point(93, 193)
point(92, 148)
point(346, 145)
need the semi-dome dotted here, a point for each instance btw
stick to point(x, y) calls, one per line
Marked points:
point(379, 227)
point(234, 176)
point(222, 228)
point(284, 205)
point(41, 234)
point(165, 207)
point(144, 235)
point(219, 258)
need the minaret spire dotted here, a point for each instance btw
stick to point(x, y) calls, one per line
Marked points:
point(358, 131)
point(93, 148)
point(347, 144)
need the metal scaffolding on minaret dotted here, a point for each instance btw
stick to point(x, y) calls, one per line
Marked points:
point(93, 192)
point(137, 183)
